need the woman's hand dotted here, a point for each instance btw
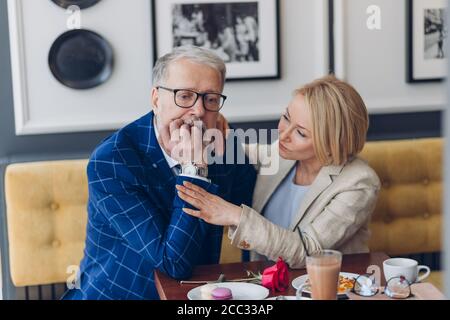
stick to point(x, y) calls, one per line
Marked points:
point(222, 125)
point(219, 140)
point(212, 208)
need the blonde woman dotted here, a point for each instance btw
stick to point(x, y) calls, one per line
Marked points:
point(322, 196)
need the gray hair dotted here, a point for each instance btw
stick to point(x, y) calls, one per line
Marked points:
point(194, 54)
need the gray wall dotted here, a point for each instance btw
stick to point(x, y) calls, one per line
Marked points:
point(375, 60)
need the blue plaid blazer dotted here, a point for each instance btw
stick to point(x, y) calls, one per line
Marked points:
point(135, 220)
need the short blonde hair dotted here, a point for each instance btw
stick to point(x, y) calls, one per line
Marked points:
point(339, 118)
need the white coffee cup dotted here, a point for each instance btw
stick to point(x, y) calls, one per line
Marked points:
point(409, 268)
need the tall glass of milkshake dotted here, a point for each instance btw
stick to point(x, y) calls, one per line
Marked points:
point(323, 272)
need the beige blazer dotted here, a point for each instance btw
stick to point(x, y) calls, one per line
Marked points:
point(334, 214)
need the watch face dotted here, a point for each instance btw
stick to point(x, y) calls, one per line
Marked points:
point(190, 170)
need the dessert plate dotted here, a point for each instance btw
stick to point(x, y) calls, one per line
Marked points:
point(344, 278)
point(240, 291)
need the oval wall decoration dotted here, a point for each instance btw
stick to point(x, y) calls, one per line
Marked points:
point(83, 4)
point(81, 59)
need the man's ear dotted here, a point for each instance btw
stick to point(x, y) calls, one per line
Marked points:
point(155, 100)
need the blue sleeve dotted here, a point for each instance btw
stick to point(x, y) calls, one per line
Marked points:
point(244, 181)
point(171, 245)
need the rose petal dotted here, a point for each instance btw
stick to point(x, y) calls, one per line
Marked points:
point(276, 277)
point(267, 281)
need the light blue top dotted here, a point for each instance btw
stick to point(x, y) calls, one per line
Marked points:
point(283, 206)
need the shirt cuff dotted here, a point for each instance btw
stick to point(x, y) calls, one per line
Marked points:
point(194, 177)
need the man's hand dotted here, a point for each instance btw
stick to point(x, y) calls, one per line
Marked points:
point(183, 141)
point(167, 132)
point(188, 141)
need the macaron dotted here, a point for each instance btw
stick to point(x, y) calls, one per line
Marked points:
point(205, 291)
point(221, 294)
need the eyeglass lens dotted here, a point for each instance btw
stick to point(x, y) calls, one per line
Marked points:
point(398, 288)
point(365, 285)
point(186, 99)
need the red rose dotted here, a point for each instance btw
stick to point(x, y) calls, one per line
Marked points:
point(276, 277)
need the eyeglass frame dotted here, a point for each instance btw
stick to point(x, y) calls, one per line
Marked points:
point(198, 94)
point(402, 278)
point(367, 275)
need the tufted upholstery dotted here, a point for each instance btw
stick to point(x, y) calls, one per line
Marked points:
point(408, 215)
point(46, 209)
point(46, 214)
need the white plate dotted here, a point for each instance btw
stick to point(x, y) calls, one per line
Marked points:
point(240, 291)
point(297, 282)
point(286, 297)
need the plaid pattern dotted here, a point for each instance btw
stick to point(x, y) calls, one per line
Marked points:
point(135, 218)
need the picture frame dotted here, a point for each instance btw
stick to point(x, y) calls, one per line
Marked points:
point(245, 34)
point(338, 44)
point(427, 29)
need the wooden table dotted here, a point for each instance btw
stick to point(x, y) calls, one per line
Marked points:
point(170, 289)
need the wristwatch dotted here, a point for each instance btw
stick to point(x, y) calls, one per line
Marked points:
point(192, 169)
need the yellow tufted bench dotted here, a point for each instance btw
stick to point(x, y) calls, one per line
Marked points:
point(46, 218)
point(46, 210)
point(408, 215)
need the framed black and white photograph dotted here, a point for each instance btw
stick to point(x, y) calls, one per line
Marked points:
point(245, 34)
point(427, 40)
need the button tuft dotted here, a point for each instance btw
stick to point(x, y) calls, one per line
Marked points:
point(56, 243)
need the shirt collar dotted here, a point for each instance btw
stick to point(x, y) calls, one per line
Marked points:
point(170, 161)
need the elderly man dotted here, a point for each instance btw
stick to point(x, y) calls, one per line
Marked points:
point(136, 224)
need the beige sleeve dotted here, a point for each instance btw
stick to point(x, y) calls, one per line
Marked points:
point(336, 224)
point(255, 232)
point(342, 217)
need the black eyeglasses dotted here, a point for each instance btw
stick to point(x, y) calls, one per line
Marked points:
point(185, 98)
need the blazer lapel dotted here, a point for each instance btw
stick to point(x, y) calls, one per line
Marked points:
point(322, 181)
point(267, 184)
point(148, 144)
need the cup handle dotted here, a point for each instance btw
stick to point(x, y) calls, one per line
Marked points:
point(299, 293)
point(427, 272)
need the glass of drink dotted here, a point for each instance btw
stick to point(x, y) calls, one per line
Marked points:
point(323, 275)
